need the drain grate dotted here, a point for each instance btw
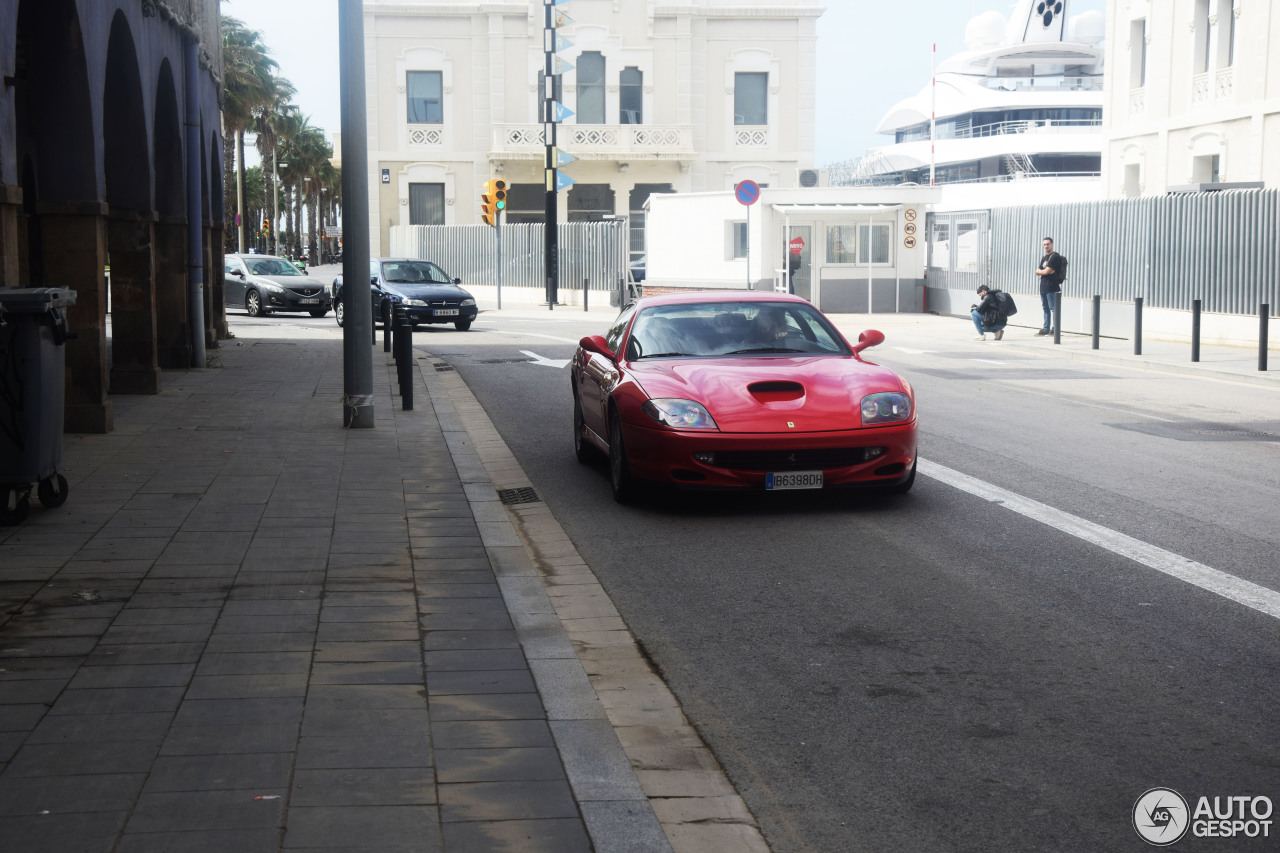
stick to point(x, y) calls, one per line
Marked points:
point(518, 496)
point(442, 367)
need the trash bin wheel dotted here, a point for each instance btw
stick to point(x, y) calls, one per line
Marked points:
point(53, 491)
point(16, 505)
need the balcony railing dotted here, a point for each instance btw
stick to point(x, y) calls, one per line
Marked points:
point(597, 141)
point(1040, 84)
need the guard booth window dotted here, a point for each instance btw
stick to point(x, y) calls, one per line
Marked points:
point(860, 243)
point(940, 246)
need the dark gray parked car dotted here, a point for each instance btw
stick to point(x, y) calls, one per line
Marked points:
point(261, 284)
point(421, 288)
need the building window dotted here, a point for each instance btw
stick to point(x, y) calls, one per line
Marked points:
point(526, 203)
point(589, 202)
point(426, 98)
point(635, 207)
point(1132, 180)
point(750, 97)
point(426, 204)
point(1206, 169)
point(590, 88)
point(631, 96)
point(1203, 36)
point(739, 230)
point(1227, 51)
point(1138, 54)
point(940, 246)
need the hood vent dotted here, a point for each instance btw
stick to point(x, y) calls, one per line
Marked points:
point(776, 391)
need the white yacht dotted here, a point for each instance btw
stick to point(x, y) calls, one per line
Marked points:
point(1021, 106)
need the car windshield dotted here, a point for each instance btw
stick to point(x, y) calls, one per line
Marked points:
point(732, 328)
point(270, 266)
point(414, 272)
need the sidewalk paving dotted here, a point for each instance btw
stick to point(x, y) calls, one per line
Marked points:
point(251, 630)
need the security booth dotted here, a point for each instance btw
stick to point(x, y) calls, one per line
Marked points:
point(846, 250)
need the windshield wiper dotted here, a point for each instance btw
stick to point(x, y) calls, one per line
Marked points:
point(763, 349)
point(665, 354)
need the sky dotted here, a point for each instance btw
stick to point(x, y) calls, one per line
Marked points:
point(871, 54)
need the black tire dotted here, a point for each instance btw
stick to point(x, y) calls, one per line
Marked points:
point(337, 312)
point(318, 312)
point(53, 491)
point(253, 304)
point(581, 449)
point(10, 517)
point(905, 486)
point(620, 479)
point(462, 325)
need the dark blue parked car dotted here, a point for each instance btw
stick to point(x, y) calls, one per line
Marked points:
point(425, 291)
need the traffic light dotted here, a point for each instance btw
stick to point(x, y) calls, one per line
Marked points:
point(493, 200)
point(266, 226)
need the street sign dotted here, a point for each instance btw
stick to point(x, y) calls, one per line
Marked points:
point(796, 245)
point(747, 192)
point(909, 242)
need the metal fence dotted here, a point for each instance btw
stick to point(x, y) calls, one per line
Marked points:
point(596, 252)
point(1220, 247)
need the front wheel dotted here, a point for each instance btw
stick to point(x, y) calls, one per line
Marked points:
point(253, 304)
point(580, 448)
point(462, 325)
point(337, 312)
point(620, 479)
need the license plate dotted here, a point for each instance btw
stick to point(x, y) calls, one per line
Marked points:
point(446, 312)
point(793, 480)
point(308, 301)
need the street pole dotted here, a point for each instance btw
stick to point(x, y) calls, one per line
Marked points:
point(275, 203)
point(357, 355)
point(549, 129)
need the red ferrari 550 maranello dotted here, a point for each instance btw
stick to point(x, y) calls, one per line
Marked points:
point(748, 390)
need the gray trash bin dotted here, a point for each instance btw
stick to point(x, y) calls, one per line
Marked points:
point(33, 335)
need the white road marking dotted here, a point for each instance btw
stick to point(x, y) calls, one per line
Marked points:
point(914, 351)
point(988, 361)
point(1236, 589)
point(549, 362)
point(573, 341)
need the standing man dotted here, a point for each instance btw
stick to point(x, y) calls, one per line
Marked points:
point(1050, 273)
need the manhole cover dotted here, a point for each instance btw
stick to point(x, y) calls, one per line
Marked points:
point(518, 496)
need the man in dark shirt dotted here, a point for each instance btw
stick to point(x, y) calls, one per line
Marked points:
point(1050, 273)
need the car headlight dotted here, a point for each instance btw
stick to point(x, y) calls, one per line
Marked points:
point(271, 288)
point(886, 408)
point(679, 414)
point(467, 302)
point(415, 302)
point(393, 297)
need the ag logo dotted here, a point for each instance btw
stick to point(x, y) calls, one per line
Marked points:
point(1047, 11)
point(1161, 816)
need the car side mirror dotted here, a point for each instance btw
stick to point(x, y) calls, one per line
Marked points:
point(596, 344)
point(373, 280)
point(869, 338)
point(238, 272)
point(457, 281)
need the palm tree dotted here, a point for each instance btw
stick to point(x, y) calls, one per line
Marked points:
point(248, 72)
point(273, 121)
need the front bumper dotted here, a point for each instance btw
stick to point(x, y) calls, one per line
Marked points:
point(419, 314)
point(667, 456)
point(291, 300)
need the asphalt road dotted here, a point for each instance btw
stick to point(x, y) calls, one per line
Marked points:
point(936, 671)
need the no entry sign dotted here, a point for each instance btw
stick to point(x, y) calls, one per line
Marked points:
point(747, 192)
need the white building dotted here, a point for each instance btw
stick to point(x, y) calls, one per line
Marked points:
point(678, 96)
point(1193, 94)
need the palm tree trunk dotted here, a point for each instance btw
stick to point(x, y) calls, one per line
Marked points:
point(228, 176)
point(312, 204)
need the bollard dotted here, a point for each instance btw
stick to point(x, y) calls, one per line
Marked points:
point(1057, 318)
point(1195, 330)
point(1097, 318)
point(1137, 326)
point(584, 294)
point(406, 363)
point(384, 308)
point(1264, 316)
